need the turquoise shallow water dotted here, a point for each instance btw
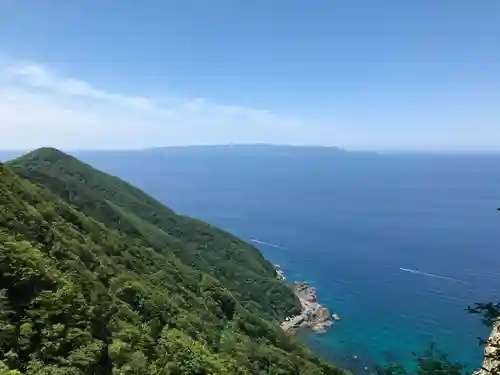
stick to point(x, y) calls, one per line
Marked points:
point(348, 224)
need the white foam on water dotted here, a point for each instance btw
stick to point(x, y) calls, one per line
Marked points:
point(266, 243)
point(416, 272)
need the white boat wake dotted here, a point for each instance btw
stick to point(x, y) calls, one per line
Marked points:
point(266, 243)
point(416, 272)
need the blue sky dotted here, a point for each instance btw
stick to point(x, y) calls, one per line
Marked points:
point(391, 75)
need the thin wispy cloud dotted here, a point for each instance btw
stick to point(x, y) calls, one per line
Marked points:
point(42, 107)
point(39, 106)
point(34, 75)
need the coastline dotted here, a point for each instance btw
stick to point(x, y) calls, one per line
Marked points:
point(490, 363)
point(313, 315)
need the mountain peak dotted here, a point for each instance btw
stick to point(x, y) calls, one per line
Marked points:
point(47, 152)
point(43, 154)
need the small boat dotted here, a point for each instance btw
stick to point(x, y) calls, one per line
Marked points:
point(336, 317)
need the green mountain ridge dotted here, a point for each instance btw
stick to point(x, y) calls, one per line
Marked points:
point(96, 277)
point(121, 206)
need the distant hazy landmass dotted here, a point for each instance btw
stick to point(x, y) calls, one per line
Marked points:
point(209, 150)
point(250, 148)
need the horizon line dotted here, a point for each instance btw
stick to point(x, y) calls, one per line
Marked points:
point(339, 149)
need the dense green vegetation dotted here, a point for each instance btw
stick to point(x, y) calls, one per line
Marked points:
point(119, 205)
point(98, 278)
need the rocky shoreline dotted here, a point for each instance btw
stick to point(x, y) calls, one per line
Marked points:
point(490, 364)
point(313, 316)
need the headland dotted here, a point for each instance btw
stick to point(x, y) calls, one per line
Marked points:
point(313, 315)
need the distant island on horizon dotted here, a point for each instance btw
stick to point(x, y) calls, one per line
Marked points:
point(261, 148)
point(215, 149)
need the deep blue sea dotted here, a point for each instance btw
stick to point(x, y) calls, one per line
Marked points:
point(349, 224)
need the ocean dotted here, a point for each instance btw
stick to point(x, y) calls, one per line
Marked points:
point(397, 245)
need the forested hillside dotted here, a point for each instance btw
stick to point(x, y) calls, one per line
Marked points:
point(98, 278)
point(121, 206)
